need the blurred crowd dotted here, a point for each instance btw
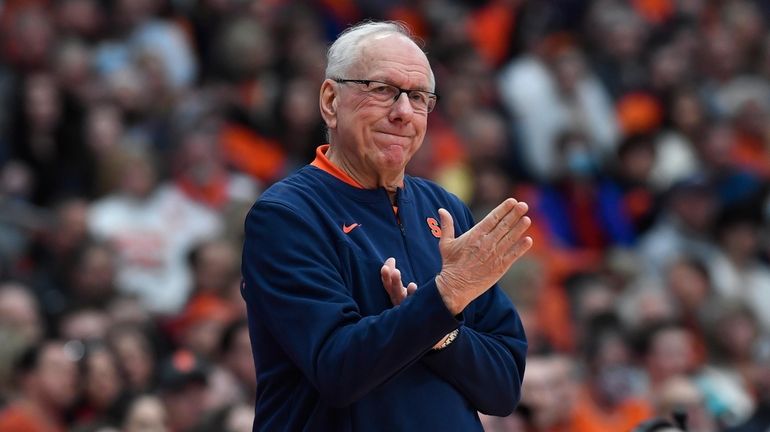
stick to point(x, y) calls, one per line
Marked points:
point(135, 135)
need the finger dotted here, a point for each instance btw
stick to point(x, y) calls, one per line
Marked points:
point(411, 288)
point(397, 287)
point(447, 226)
point(387, 267)
point(386, 274)
point(494, 217)
point(514, 233)
point(390, 262)
point(509, 222)
point(519, 249)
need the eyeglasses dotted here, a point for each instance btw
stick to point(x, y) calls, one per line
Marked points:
point(422, 101)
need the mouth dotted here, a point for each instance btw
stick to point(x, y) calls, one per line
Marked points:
point(394, 134)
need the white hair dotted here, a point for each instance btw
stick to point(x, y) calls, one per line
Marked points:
point(345, 51)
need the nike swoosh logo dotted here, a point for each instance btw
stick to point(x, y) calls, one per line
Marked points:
point(348, 228)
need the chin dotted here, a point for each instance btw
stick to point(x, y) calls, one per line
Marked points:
point(394, 156)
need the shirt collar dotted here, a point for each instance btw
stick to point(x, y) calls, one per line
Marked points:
point(323, 163)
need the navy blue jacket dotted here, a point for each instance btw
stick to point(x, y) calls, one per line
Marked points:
point(332, 353)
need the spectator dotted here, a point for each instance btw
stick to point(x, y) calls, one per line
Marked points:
point(136, 356)
point(146, 413)
point(679, 395)
point(737, 272)
point(668, 351)
point(234, 379)
point(611, 396)
point(103, 392)
point(20, 313)
point(760, 418)
point(152, 228)
point(550, 392)
point(183, 384)
point(47, 379)
point(551, 91)
point(726, 380)
point(682, 227)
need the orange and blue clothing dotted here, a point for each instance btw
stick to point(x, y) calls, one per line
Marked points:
point(331, 351)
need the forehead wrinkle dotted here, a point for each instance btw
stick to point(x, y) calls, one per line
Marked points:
point(398, 73)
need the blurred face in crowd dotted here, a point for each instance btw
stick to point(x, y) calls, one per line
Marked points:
point(239, 359)
point(613, 379)
point(146, 414)
point(370, 139)
point(689, 285)
point(569, 69)
point(104, 128)
point(71, 226)
point(135, 355)
point(594, 298)
point(85, 324)
point(484, 137)
point(42, 103)
point(32, 35)
point(73, 67)
point(547, 391)
point(19, 312)
point(737, 333)
point(203, 335)
point(82, 17)
point(722, 55)
point(740, 242)
point(687, 112)
point(93, 274)
point(54, 381)
point(198, 158)
point(214, 268)
point(695, 208)
point(637, 161)
point(671, 353)
point(184, 405)
point(103, 383)
point(138, 176)
point(653, 305)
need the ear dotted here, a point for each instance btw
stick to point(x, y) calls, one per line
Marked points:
point(328, 103)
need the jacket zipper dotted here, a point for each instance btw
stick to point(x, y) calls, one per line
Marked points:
point(403, 235)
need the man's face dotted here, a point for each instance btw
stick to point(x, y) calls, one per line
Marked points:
point(57, 376)
point(381, 137)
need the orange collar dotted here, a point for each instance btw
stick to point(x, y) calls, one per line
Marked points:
point(323, 163)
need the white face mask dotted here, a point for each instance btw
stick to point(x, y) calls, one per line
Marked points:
point(579, 162)
point(617, 383)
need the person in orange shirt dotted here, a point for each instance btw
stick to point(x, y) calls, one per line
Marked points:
point(47, 382)
point(609, 401)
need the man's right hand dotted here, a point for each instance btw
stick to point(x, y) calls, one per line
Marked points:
point(476, 260)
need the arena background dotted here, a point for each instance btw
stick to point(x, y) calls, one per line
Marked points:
point(135, 134)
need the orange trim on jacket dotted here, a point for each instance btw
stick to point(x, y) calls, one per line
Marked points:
point(323, 163)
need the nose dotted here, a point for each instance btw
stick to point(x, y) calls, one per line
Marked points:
point(401, 108)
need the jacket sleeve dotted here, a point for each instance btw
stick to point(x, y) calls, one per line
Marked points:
point(486, 361)
point(294, 282)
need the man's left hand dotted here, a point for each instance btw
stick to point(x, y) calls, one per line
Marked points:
point(391, 280)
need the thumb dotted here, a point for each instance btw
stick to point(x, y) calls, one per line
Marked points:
point(447, 226)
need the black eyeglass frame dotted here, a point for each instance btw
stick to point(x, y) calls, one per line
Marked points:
point(400, 90)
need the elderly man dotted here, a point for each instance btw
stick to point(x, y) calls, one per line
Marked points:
point(340, 343)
